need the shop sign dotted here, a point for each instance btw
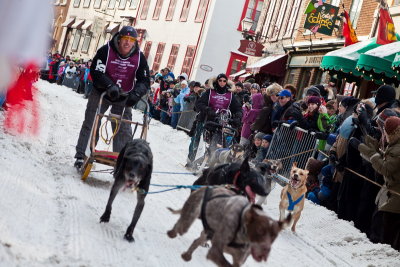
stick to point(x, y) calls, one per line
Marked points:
point(306, 61)
point(321, 18)
point(251, 48)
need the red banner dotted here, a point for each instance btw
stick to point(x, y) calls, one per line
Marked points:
point(386, 31)
point(251, 48)
point(349, 34)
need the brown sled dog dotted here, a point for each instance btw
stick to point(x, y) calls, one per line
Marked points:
point(233, 225)
point(293, 195)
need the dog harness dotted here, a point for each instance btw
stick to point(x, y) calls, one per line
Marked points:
point(208, 229)
point(293, 203)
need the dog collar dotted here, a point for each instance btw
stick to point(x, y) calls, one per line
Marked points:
point(293, 203)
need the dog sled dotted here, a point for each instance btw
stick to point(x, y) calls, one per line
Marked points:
point(216, 134)
point(106, 157)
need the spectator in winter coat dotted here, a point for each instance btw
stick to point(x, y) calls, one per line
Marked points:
point(292, 90)
point(263, 121)
point(255, 145)
point(280, 108)
point(119, 67)
point(262, 152)
point(87, 78)
point(240, 93)
point(60, 72)
point(255, 88)
point(387, 163)
point(250, 116)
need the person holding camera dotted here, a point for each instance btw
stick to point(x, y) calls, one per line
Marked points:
point(120, 69)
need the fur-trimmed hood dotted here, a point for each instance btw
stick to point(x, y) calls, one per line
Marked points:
point(213, 80)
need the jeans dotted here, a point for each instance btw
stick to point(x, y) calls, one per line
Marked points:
point(175, 116)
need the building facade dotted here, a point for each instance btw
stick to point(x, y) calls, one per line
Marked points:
point(89, 24)
point(60, 15)
point(308, 49)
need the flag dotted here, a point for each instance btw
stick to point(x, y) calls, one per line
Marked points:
point(349, 34)
point(386, 31)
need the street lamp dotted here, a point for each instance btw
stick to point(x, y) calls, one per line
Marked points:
point(247, 23)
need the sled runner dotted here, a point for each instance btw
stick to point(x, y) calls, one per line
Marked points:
point(106, 157)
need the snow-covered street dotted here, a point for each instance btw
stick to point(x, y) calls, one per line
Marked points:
point(49, 217)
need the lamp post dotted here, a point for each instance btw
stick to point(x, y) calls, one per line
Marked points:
point(247, 23)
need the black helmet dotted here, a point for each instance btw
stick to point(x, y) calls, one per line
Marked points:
point(128, 31)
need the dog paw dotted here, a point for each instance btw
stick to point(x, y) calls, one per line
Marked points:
point(186, 256)
point(171, 233)
point(129, 237)
point(105, 218)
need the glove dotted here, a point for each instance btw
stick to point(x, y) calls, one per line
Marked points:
point(366, 151)
point(372, 142)
point(210, 112)
point(113, 92)
point(276, 124)
point(321, 135)
point(332, 158)
point(133, 98)
point(354, 142)
point(293, 125)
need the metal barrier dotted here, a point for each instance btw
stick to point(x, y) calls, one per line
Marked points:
point(71, 81)
point(288, 145)
point(187, 117)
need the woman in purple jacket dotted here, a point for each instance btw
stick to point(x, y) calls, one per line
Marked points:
point(250, 116)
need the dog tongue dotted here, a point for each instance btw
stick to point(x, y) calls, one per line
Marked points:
point(250, 194)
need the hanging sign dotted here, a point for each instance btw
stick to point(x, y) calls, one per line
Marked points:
point(321, 17)
point(251, 48)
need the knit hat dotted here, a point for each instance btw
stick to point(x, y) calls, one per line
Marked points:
point(259, 135)
point(313, 91)
point(349, 101)
point(239, 84)
point(128, 31)
point(255, 86)
point(265, 85)
point(386, 113)
point(385, 93)
point(392, 128)
point(221, 75)
point(274, 89)
point(314, 100)
point(268, 137)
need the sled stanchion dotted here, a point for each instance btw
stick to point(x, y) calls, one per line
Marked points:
point(106, 157)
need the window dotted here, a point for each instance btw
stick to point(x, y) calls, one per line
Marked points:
point(134, 4)
point(76, 3)
point(86, 3)
point(236, 63)
point(292, 19)
point(56, 2)
point(253, 12)
point(63, 2)
point(145, 9)
point(201, 11)
point(278, 24)
point(185, 10)
point(171, 10)
point(111, 4)
point(86, 42)
point(158, 57)
point(355, 12)
point(157, 9)
point(188, 61)
point(77, 38)
point(396, 2)
point(335, 2)
point(122, 4)
point(268, 18)
point(97, 4)
point(147, 48)
point(172, 57)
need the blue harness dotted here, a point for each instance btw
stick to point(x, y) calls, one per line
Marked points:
point(293, 203)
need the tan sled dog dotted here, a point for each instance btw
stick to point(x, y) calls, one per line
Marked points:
point(233, 225)
point(293, 194)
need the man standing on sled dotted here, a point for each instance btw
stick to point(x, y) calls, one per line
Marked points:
point(120, 69)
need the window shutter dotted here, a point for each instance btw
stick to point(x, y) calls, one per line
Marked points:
point(147, 48)
point(158, 57)
point(185, 10)
point(171, 10)
point(145, 9)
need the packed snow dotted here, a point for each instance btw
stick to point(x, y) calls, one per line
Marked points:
point(49, 217)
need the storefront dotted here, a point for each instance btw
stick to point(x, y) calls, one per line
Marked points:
point(304, 71)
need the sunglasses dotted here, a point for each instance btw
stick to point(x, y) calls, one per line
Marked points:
point(128, 38)
point(220, 80)
point(282, 97)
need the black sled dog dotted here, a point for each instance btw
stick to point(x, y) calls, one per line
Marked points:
point(133, 170)
point(246, 181)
